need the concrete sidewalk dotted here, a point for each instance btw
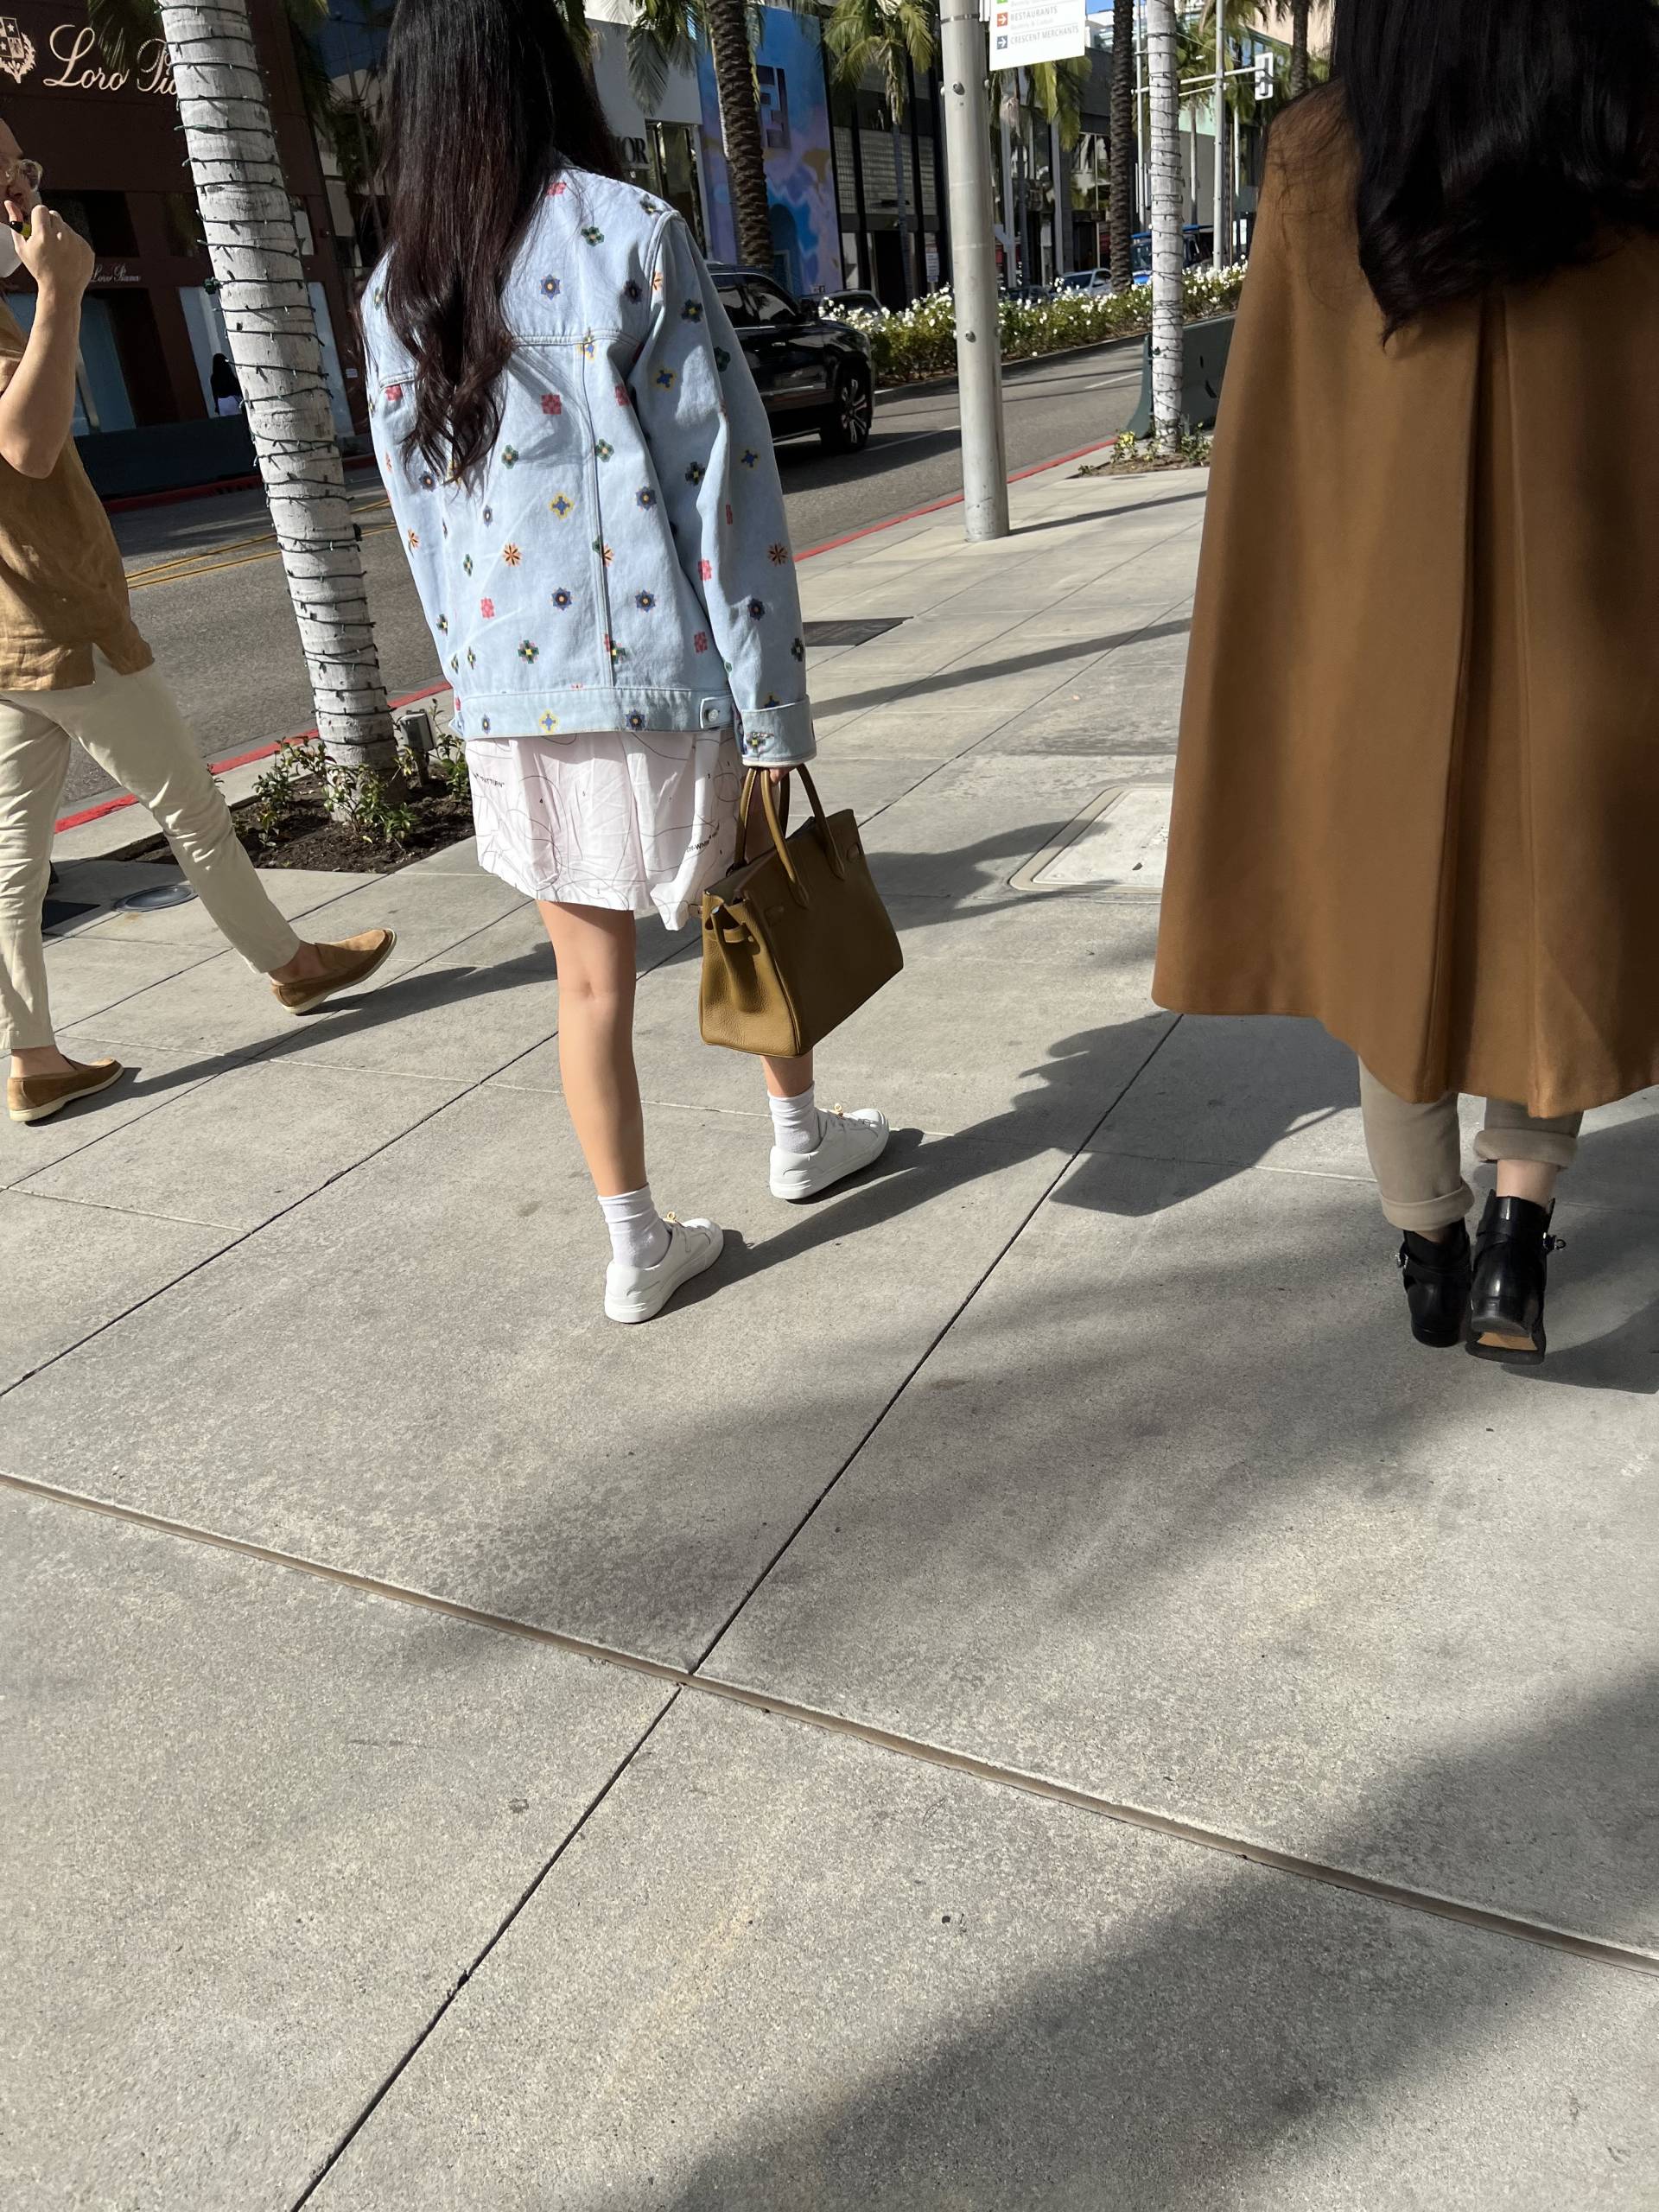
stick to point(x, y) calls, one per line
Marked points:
point(1026, 1690)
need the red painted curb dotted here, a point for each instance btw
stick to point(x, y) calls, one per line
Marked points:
point(871, 529)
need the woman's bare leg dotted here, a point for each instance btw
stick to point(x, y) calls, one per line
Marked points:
point(595, 951)
point(1527, 1178)
point(788, 1079)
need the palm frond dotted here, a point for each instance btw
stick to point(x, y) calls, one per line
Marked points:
point(123, 26)
point(1057, 90)
point(862, 37)
point(659, 38)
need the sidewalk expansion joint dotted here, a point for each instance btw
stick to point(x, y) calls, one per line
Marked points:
point(396, 2073)
point(1627, 1958)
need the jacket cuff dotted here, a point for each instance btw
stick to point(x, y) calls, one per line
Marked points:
point(776, 737)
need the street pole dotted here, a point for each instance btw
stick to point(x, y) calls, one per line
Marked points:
point(1221, 111)
point(973, 262)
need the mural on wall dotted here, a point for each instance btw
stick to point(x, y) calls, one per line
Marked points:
point(800, 179)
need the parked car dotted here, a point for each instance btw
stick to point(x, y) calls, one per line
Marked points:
point(1195, 250)
point(1086, 280)
point(814, 372)
point(853, 303)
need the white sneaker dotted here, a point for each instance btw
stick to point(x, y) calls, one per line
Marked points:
point(846, 1143)
point(640, 1293)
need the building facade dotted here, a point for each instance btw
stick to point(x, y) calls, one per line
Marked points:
point(108, 140)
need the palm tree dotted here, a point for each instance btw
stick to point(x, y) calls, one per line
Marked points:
point(894, 39)
point(1125, 124)
point(253, 243)
point(1298, 68)
point(1163, 69)
point(660, 35)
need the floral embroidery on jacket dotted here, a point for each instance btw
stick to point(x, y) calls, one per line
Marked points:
point(608, 278)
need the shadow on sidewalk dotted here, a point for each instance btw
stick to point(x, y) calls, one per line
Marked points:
point(1240, 2037)
point(952, 679)
point(1105, 514)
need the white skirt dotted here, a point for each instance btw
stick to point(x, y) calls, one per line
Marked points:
point(637, 821)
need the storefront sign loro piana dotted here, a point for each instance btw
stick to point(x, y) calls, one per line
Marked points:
point(75, 63)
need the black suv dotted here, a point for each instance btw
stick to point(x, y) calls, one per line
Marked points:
point(814, 372)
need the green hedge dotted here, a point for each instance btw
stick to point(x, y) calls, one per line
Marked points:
point(921, 341)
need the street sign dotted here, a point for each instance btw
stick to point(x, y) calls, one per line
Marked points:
point(1265, 85)
point(1024, 31)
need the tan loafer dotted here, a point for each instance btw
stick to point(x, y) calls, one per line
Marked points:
point(37, 1097)
point(352, 961)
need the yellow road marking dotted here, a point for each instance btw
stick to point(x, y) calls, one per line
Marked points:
point(264, 547)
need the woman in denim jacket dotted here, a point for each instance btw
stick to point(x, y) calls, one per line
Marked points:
point(581, 469)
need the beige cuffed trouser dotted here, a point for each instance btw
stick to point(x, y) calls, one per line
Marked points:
point(132, 728)
point(1417, 1150)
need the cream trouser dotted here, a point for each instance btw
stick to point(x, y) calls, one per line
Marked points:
point(1417, 1153)
point(132, 728)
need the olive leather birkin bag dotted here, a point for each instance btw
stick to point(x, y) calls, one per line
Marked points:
point(795, 940)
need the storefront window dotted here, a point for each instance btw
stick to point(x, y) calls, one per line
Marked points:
point(183, 219)
point(102, 402)
point(102, 219)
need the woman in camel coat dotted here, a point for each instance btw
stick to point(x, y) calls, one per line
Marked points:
point(1418, 789)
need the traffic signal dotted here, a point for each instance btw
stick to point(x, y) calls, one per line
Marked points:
point(1265, 82)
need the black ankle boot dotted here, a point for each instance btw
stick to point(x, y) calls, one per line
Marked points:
point(1436, 1276)
point(1506, 1304)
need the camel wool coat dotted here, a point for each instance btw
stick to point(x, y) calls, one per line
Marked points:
point(1417, 793)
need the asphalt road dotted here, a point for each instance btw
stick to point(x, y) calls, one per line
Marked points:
point(210, 597)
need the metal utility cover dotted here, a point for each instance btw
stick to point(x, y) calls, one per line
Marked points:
point(159, 896)
point(1117, 844)
point(849, 633)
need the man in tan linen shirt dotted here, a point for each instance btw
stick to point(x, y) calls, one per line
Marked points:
point(73, 666)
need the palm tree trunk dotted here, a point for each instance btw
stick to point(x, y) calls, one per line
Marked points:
point(1123, 135)
point(1164, 71)
point(1057, 169)
point(907, 259)
point(254, 245)
point(740, 127)
point(1224, 156)
point(1020, 172)
point(1298, 72)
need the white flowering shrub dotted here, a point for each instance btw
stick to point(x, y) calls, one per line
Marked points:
point(921, 341)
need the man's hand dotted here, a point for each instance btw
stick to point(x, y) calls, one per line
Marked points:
point(37, 408)
point(59, 259)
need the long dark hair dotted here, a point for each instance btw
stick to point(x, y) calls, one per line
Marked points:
point(486, 101)
point(1498, 139)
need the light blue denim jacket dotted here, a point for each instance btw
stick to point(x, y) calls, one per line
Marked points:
point(623, 560)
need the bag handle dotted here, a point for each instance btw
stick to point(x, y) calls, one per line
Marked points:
point(761, 778)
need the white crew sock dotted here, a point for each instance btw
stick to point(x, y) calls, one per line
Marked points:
point(794, 1124)
point(640, 1236)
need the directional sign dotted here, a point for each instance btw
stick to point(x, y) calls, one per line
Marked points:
point(1024, 31)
